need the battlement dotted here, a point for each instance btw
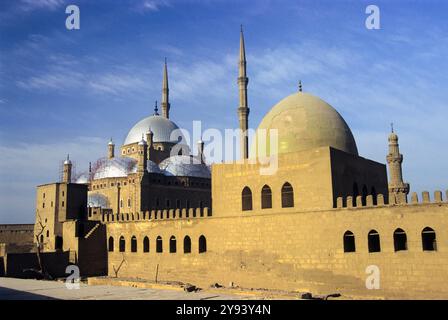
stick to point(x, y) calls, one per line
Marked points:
point(379, 200)
point(154, 215)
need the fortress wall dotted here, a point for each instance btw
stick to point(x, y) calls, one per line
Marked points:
point(308, 172)
point(17, 237)
point(294, 251)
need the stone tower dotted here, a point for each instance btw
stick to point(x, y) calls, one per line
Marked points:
point(142, 156)
point(67, 171)
point(165, 93)
point(398, 190)
point(111, 149)
point(149, 141)
point(243, 109)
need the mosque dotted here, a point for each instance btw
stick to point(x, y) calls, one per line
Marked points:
point(319, 223)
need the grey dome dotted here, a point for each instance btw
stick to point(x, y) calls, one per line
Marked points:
point(83, 178)
point(152, 167)
point(97, 200)
point(115, 168)
point(185, 166)
point(160, 126)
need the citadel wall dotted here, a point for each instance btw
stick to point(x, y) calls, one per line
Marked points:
point(293, 250)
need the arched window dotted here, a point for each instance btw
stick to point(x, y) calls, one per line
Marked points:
point(159, 244)
point(374, 241)
point(146, 244)
point(246, 197)
point(364, 196)
point(173, 244)
point(349, 241)
point(122, 244)
point(41, 238)
point(111, 244)
point(429, 241)
point(187, 244)
point(266, 197)
point(400, 240)
point(355, 193)
point(133, 244)
point(202, 244)
point(287, 196)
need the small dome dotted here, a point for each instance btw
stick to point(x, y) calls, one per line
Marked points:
point(185, 166)
point(152, 167)
point(95, 200)
point(114, 168)
point(83, 178)
point(161, 127)
point(305, 122)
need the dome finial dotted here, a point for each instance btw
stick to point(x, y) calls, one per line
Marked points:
point(300, 85)
point(392, 127)
point(156, 113)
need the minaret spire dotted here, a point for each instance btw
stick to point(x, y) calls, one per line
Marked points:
point(398, 189)
point(243, 109)
point(165, 93)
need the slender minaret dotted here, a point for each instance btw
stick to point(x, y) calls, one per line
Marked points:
point(201, 150)
point(149, 142)
point(111, 149)
point(398, 189)
point(142, 156)
point(67, 173)
point(243, 109)
point(165, 93)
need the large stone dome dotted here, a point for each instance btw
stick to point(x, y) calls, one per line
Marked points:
point(160, 126)
point(305, 122)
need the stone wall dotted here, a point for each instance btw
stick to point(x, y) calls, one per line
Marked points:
point(293, 250)
point(17, 237)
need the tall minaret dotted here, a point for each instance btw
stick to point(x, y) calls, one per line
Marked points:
point(111, 149)
point(67, 172)
point(165, 93)
point(243, 109)
point(398, 189)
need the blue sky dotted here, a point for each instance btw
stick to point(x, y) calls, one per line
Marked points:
point(67, 91)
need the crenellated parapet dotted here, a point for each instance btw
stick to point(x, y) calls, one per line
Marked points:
point(379, 200)
point(160, 214)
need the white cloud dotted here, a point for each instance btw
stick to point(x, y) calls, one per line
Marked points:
point(28, 5)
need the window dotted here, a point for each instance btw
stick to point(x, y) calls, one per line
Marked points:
point(400, 240)
point(246, 197)
point(41, 238)
point(111, 244)
point(121, 203)
point(374, 241)
point(349, 242)
point(202, 244)
point(146, 244)
point(63, 203)
point(266, 197)
point(159, 244)
point(58, 243)
point(129, 202)
point(429, 241)
point(187, 244)
point(287, 196)
point(44, 195)
point(122, 244)
point(48, 233)
point(43, 205)
point(173, 244)
point(133, 244)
